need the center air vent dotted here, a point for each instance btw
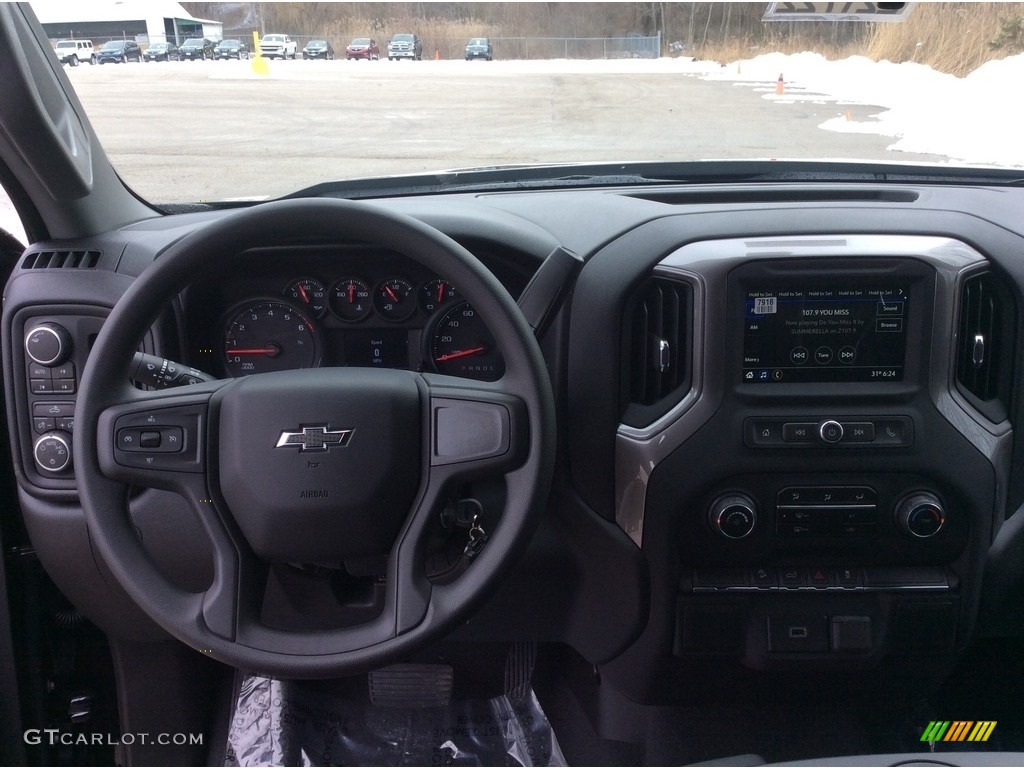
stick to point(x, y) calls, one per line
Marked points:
point(61, 260)
point(985, 344)
point(657, 350)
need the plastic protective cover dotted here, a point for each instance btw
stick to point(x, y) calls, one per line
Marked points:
point(285, 723)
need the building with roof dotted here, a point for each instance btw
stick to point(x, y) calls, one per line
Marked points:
point(144, 21)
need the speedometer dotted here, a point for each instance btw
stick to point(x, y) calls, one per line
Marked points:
point(269, 335)
point(461, 345)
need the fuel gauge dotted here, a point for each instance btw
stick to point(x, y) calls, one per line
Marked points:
point(395, 298)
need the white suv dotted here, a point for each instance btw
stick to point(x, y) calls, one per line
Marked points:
point(74, 52)
point(278, 45)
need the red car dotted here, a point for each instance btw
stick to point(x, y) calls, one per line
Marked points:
point(363, 48)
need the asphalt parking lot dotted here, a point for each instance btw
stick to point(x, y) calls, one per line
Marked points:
point(201, 130)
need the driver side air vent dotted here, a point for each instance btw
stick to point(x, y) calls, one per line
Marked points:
point(657, 350)
point(61, 260)
point(985, 344)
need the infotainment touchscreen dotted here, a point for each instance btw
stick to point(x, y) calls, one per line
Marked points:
point(805, 334)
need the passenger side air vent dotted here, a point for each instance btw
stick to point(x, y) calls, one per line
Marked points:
point(985, 344)
point(657, 350)
point(61, 260)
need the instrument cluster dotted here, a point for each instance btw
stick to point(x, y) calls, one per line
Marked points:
point(349, 307)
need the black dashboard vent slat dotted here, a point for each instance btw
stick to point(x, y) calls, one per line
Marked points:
point(657, 349)
point(79, 259)
point(985, 344)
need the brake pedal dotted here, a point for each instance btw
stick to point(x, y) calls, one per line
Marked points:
point(414, 686)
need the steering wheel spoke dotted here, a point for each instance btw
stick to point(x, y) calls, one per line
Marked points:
point(156, 440)
point(476, 430)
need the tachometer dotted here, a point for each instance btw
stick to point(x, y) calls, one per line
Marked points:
point(461, 345)
point(269, 335)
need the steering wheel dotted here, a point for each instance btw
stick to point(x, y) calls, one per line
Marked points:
point(311, 465)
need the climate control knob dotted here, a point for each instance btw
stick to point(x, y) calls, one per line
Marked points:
point(733, 516)
point(920, 515)
point(52, 452)
point(48, 344)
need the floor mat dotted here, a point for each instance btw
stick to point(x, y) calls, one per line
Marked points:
point(280, 722)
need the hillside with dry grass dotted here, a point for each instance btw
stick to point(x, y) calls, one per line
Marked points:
point(950, 37)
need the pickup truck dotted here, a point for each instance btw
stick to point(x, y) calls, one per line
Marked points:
point(281, 46)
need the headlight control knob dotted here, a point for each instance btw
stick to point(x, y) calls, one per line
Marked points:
point(48, 344)
point(52, 452)
point(921, 515)
point(733, 515)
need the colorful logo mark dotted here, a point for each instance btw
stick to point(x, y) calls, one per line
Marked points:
point(958, 730)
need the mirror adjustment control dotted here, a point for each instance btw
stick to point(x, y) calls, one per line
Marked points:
point(52, 452)
point(920, 515)
point(48, 344)
point(733, 516)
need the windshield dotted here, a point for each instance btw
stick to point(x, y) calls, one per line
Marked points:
point(563, 83)
point(113, 46)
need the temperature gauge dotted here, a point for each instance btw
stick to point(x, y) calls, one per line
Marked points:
point(350, 299)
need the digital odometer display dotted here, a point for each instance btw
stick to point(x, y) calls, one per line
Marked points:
point(824, 334)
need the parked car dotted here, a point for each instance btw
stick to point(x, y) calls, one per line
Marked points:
point(479, 48)
point(196, 48)
point(405, 46)
point(277, 45)
point(161, 51)
point(363, 48)
point(318, 49)
point(119, 52)
point(231, 49)
point(75, 52)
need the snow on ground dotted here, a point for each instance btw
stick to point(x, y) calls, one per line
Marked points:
point(974, 119)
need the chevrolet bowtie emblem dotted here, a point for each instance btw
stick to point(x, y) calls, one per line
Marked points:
point(314, 438)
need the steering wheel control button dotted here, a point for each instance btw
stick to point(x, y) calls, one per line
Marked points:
point(48, 344)
point(159, 439)
point(733, 516)
point(156, 439)
point(921, 515)
point(830, 432)
point(52, 452)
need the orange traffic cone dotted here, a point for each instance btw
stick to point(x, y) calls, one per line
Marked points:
point(780, 86)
